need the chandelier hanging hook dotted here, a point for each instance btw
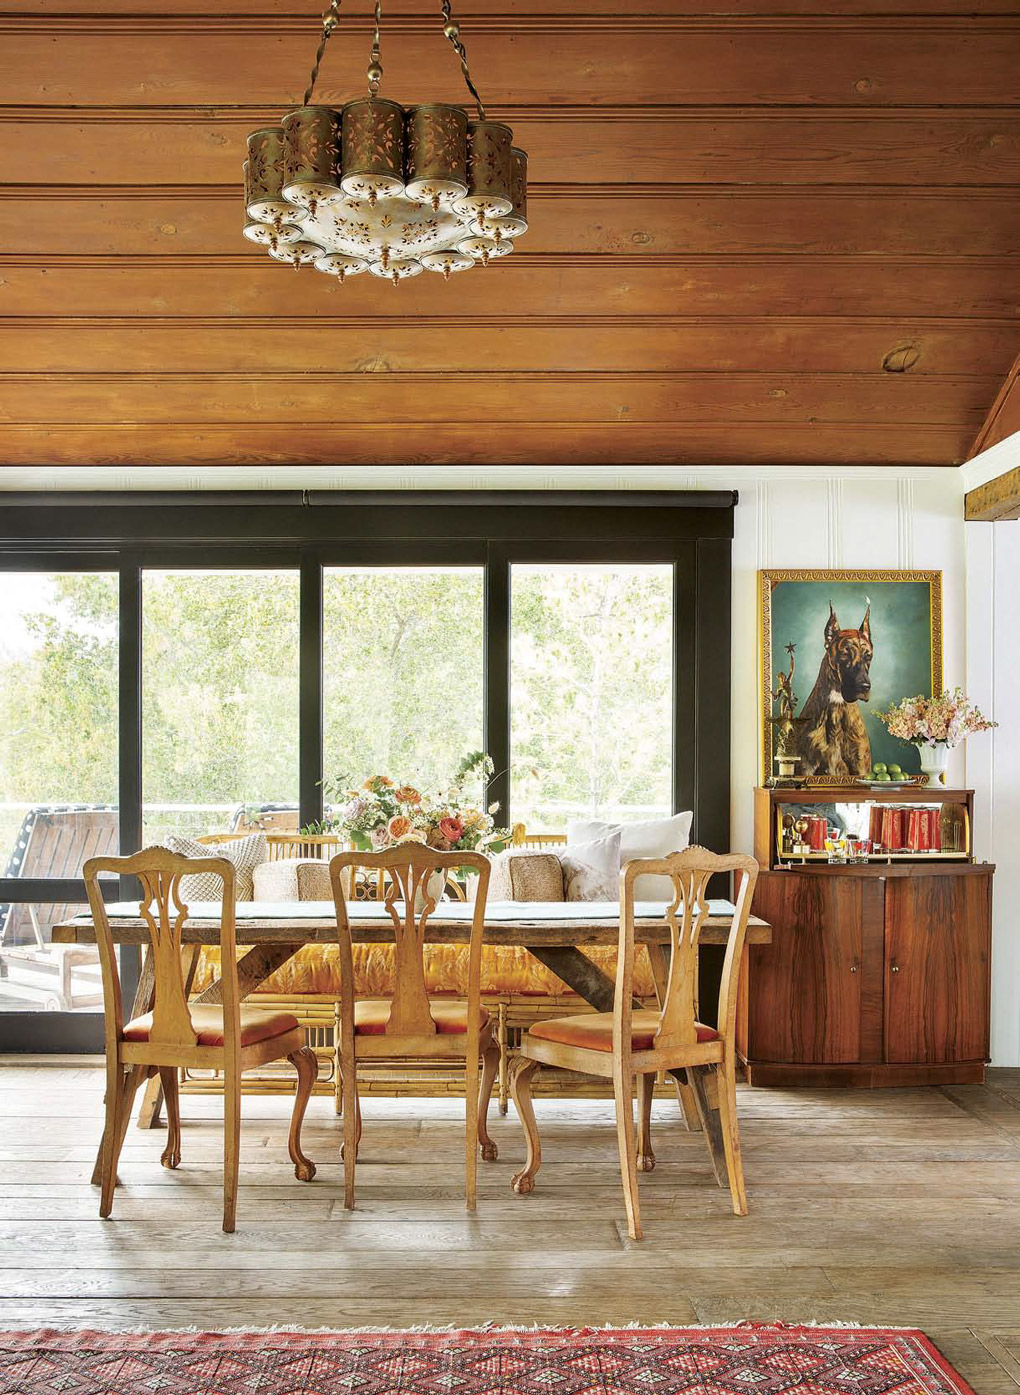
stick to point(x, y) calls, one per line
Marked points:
point(375, 70)
point(330, 20)
point(451, 29)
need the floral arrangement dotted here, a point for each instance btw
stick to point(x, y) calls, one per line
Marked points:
point(381, 813)
point(943, 720)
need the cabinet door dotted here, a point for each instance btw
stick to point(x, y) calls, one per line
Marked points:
point(937, 954)
point(804, 1002)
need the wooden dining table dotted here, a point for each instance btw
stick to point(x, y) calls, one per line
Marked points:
point(555, 932)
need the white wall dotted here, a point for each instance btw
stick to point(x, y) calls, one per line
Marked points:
point(855, 519)
point(993, 760)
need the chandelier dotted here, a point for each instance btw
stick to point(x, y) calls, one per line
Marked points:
point(375, 186)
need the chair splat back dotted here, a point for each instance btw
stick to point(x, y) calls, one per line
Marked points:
point(690, 871)
point(410, 898)
point(685, 918)
point(165, 915)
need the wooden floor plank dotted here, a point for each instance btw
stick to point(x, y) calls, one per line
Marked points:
point(897, 1207)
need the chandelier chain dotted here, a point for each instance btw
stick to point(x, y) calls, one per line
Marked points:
point(452, 31)
point(374, 66)
point(330, 20)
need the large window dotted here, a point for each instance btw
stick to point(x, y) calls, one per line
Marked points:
point(58, 769)
point(591, 701)
point(205, 664)
point(403, 671)
point(219, 700)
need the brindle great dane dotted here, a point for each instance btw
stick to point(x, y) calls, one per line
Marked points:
point(834, 740)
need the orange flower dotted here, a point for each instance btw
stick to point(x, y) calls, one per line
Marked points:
point(374, 781)
point(451, 829)
point(407, 794)
point(398, 825)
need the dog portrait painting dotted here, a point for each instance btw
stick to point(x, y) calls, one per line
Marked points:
point(858, 641)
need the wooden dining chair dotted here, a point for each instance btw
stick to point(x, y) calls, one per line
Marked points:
point(625, 1043)
point(175, 1034)
point(411, 1025)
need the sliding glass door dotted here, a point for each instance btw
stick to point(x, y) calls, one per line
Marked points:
point(59, 643)
point(220, 664)
point(591, 692)
point(179, 672)
point(403, 672)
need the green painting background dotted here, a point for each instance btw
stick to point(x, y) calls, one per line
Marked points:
point(900, 633)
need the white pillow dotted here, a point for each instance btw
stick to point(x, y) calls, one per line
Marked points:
point(591, 871)
point(245, 853)
point(646, 838)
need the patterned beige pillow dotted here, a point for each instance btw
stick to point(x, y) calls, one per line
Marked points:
point(536, 877)
point(591, 871)
point(245, 853)
point(293, 879)
point(519, 875)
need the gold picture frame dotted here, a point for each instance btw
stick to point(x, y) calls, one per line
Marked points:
point(904, 653)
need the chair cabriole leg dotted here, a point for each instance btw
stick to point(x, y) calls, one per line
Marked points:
point(521, 1072)
point(646, 1089)
point(171, 1155)
point(490, 1068)
point(307, 1068)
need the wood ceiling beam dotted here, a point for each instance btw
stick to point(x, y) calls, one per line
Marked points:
point(891, 287)
point(999, 498)
point(577, 9)
point(256, 442)
point(565, 219)
point(137, 147)
point(509, 398)
point(334, 342)
point(995, 501)
point(153, 60)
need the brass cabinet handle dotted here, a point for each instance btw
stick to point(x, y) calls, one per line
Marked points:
point(854, 968)
point(894, 968)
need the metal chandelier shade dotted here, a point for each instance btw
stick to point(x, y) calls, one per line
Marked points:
point(374, 186)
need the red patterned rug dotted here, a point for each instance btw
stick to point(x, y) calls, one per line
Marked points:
point(752, 1360)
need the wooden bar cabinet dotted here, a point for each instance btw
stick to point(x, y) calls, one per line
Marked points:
point(878, 972)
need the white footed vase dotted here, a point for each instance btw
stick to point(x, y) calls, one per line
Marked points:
point(935, 762)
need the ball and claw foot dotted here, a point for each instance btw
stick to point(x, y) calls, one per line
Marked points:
point(171, 1156)
point(646, 1161)
point(522, 1183)
point(489, 1151)
point(304, 1170)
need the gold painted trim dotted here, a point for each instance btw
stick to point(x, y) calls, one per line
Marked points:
point(768, 578)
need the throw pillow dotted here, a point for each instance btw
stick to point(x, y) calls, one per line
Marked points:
point(646, 838)
point(536, 877)
point(245, 853)
point(519, 875)
point(591, 871)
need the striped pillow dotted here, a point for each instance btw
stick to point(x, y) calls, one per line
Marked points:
point(245, 853)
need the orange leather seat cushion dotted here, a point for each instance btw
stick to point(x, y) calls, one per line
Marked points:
point(594, 1031)
point(505, 969)
point(371, 1016)
point(256, 1025)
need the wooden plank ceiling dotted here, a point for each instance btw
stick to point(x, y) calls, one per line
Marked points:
point(783, 236)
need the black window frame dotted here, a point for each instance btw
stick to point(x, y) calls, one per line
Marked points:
point(309, 531)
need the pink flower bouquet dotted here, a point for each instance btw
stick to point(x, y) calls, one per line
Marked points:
point(944, 720)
